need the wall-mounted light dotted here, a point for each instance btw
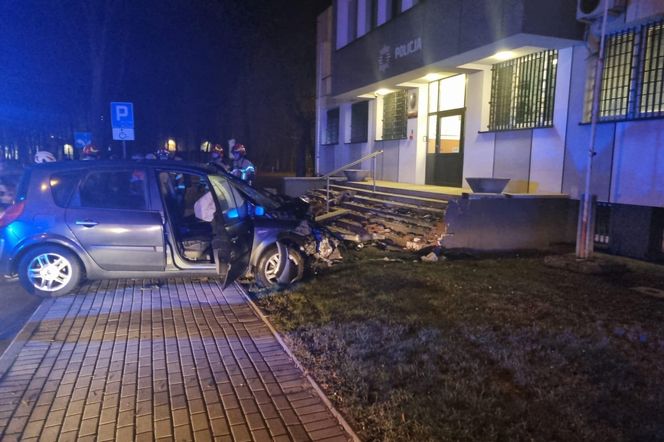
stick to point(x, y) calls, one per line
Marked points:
point(432, 77)
point(383, 91)
point(504, 55)
point(206, 146)
point(171, 145)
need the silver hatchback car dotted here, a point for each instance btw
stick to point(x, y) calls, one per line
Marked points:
point(149, 219)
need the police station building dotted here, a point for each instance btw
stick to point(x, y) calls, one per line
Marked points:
point(451, 89)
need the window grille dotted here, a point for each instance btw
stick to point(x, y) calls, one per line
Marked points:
point(332, 127)
point(359, 122)
point(633, 76)
point(522, 92)
point(395, 117)
point(652, 79)
point(615, 97)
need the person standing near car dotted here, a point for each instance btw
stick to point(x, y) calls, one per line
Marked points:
point(217, 156)
point(241, 167)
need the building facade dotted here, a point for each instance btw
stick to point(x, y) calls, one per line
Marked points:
point(451, 89)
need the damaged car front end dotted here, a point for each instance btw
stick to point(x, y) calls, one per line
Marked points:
point(284, 226)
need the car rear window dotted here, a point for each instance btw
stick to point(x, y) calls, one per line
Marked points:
point(62, 186)
point(116, 189)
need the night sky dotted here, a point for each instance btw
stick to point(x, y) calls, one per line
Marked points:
point(195, 70)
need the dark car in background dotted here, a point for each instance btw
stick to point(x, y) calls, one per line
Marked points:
point(149, 219)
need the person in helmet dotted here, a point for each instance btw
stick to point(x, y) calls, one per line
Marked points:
point(217, 156)
point(241, 167)
point(89, 152)
point(44, 156)
point(163, 154)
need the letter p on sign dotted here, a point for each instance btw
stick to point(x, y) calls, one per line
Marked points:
point(121, 112)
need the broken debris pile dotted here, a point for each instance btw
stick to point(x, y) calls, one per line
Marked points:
point(370, 219)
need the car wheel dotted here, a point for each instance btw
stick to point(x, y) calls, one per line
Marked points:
point(49, 271)
point(266, 272)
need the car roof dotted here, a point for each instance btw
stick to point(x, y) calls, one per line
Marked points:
point(109, 164)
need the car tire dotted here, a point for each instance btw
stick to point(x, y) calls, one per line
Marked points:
point(267, 264)
point(49, 271)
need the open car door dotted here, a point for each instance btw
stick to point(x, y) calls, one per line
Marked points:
point(233, 231)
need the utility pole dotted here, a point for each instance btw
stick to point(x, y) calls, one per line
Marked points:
point(584, 246)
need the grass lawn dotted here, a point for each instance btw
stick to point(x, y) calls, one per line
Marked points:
point(481, 349)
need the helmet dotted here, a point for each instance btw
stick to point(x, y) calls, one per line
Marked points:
point(162, 154)
point(217, 151)
point(239, 149)
point(89, 152)
point(44, 156)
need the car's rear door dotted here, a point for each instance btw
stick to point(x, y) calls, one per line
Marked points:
point(110, 216)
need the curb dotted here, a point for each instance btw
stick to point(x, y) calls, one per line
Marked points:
point(314, 384)
point(10, 354)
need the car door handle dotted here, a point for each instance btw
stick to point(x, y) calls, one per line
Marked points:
point(87, 223)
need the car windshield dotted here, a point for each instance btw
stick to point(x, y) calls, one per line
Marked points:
point(256, 196)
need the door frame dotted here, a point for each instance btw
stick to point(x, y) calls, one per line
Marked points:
point(432, 159)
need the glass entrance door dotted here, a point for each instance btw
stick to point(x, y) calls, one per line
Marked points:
point(445, 149)
point(445, 132)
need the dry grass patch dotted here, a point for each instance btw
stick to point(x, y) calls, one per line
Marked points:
point(481, 349)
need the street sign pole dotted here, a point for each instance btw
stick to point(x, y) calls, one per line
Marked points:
point(122, 123)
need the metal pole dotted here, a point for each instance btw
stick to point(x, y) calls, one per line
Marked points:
point(584, 248)
point(373, 172)
point(124, 149)
point(327, 196)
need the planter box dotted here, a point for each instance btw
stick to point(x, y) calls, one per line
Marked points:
point(357, 174)
point(487, 185)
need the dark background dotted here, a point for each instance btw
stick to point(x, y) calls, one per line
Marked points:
point(195, 71)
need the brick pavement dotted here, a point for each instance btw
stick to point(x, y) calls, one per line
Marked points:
point(184, 360)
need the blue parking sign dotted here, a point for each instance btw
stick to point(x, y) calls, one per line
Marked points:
point(122, 120)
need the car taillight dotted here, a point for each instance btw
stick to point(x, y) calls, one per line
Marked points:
point(11, 214)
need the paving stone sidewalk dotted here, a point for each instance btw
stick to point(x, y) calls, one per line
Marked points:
point(182, 360)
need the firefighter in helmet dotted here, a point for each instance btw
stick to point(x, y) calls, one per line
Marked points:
point(217, 156)
point(241, 167)
point(89, 152)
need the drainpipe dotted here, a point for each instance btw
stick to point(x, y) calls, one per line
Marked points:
point(584, 247)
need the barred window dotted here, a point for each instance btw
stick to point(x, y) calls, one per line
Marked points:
point(652, 91)
point(332, 127)
point(395, 116)
point(522, 92)
point(359, 122)
point(633, 76)
point(616, 78)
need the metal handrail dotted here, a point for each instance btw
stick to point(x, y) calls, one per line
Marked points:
point(327, 176)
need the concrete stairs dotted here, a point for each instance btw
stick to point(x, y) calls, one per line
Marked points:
point(391, 218)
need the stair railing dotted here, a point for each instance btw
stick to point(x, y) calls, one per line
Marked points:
point(328, 175)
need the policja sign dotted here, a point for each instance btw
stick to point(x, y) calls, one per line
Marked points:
point(122, 121)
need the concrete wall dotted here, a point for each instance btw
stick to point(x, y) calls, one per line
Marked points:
point(479, 146)
point(499, 224)
point(548, 151)
point(629, 160)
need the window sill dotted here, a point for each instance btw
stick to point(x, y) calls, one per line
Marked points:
point(622, 120)
point(516, 129)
